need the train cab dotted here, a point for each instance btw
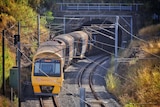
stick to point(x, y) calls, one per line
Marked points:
point(47, 69)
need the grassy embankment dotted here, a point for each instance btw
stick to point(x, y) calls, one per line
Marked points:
point(138, 81)
point(10, 13)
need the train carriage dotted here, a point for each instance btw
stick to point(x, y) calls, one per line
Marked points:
point(69, 41)
point(80, 43)
point(52, 57)
point(47, 69)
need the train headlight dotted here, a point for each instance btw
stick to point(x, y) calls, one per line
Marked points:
point(46, 89)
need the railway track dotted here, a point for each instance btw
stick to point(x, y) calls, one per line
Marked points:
point(86, 73)
point(48, 102)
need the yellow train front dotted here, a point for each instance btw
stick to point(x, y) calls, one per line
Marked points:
point(47, 69)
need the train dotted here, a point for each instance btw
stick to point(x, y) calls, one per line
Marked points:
point(54, 55)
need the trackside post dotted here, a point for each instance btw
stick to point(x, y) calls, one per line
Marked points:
point(82, 97)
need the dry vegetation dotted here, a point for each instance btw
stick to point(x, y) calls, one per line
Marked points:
point(139, 85)
point(4, 102)
point(12, 11)
point(153, 30)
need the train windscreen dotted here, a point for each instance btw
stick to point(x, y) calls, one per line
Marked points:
point(47, 67)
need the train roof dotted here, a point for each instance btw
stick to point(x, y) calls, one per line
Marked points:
point(49, 46)
point(68, 39)
point(79, 35)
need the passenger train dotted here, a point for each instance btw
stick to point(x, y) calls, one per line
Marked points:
point(53, 55)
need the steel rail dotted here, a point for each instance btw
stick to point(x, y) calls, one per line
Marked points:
point(83, 70)
point(91, 78)
point(53, 102)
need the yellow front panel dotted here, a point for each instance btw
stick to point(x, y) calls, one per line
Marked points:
point(36, 89)
point(56, 89)
point(47, 81)
point(41, 80)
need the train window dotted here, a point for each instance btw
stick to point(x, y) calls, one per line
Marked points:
point(36, 68)
point(57, 68)
point(47, 67)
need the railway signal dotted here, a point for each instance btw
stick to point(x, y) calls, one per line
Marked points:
point(16, 39)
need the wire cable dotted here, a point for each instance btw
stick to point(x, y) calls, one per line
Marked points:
point(105, 29)
point(139, 40)
point(132, 34)
point(40, 69)
point(101, 33)
point(49, 76)
point(10, 27)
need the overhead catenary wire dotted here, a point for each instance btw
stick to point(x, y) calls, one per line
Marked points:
point(102, 43)
point(93, 46)
point(118, 75)
point(51, 77)
point(62, 87)
point(117, 47)
point(102, 49)
point(139, 40)
point(53, 81)
point(101, 33)
point(16, 23)
point(104, 29)
point(132, 34)
point(31, 61)
point(95, 62)
point(9, 27)
point(107, 44)
point(46, 74)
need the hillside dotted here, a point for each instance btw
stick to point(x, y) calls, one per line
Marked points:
point(137, 81)
point(26, 11)
point(13, 12)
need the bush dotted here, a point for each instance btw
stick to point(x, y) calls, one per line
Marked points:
point(9, 62)
point(4, 102)
point(152, 30)
point(140, 86)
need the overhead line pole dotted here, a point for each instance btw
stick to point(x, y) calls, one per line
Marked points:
point(19, 74)
point(19, 67)
point(116, 42)
point(64, 24)
point(131, 28)
point(38, 29)
point(3, 63)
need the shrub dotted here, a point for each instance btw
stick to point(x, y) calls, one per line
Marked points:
point(4, 102)
point(9, 62)
point(152, 30)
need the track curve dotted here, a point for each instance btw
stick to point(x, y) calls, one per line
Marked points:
point(89, 69)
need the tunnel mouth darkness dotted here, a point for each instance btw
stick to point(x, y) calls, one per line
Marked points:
point(101, 38)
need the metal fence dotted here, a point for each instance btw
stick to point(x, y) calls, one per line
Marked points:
point(99, 6)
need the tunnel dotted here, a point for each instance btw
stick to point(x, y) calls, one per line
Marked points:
point(104, 42)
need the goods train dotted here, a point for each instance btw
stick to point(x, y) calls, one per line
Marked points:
point(53, 55)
